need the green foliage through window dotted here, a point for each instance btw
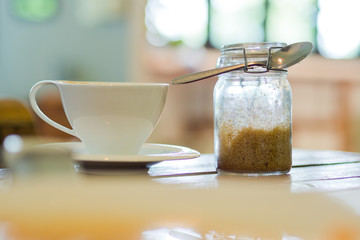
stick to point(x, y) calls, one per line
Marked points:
point(35, 10)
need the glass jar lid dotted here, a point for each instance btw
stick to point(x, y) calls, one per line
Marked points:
point(244, 53)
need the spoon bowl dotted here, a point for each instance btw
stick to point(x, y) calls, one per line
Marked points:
point(282, 59)
point(290, 55)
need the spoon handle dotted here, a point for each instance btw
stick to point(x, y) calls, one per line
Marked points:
point(192, 77)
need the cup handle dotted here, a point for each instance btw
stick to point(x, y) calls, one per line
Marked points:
point(38, 111)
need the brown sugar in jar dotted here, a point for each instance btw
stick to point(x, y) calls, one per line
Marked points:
point(252, 113)
point(254, 151)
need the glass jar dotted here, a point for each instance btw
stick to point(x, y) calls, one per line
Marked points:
point(252, 114)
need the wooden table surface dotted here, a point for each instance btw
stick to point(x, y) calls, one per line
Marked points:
point(311, 171)
point(187, 199)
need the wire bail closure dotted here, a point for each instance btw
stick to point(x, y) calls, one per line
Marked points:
point(246, 69)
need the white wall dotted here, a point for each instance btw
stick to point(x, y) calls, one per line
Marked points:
point(61, 48)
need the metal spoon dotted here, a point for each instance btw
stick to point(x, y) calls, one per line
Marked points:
point(284, 58)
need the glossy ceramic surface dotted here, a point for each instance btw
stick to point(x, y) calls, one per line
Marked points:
point(108, 117)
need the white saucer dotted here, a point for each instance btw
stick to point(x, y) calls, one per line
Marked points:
point(150, 153)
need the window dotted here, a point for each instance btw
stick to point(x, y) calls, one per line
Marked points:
point(176, 23)
point(329, 24)
point(338, 30)
point(233, 20)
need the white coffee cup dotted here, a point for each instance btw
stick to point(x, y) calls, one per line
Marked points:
point(108, 117)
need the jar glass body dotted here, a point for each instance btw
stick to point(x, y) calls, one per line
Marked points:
point(252, 115)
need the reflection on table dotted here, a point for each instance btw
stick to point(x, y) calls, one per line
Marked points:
point(182, 199)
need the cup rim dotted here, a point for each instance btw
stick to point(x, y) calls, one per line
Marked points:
point(94, 83)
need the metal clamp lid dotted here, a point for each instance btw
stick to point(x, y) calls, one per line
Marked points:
point(246, 68)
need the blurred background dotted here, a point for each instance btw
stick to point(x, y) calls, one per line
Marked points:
point(157, 40)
